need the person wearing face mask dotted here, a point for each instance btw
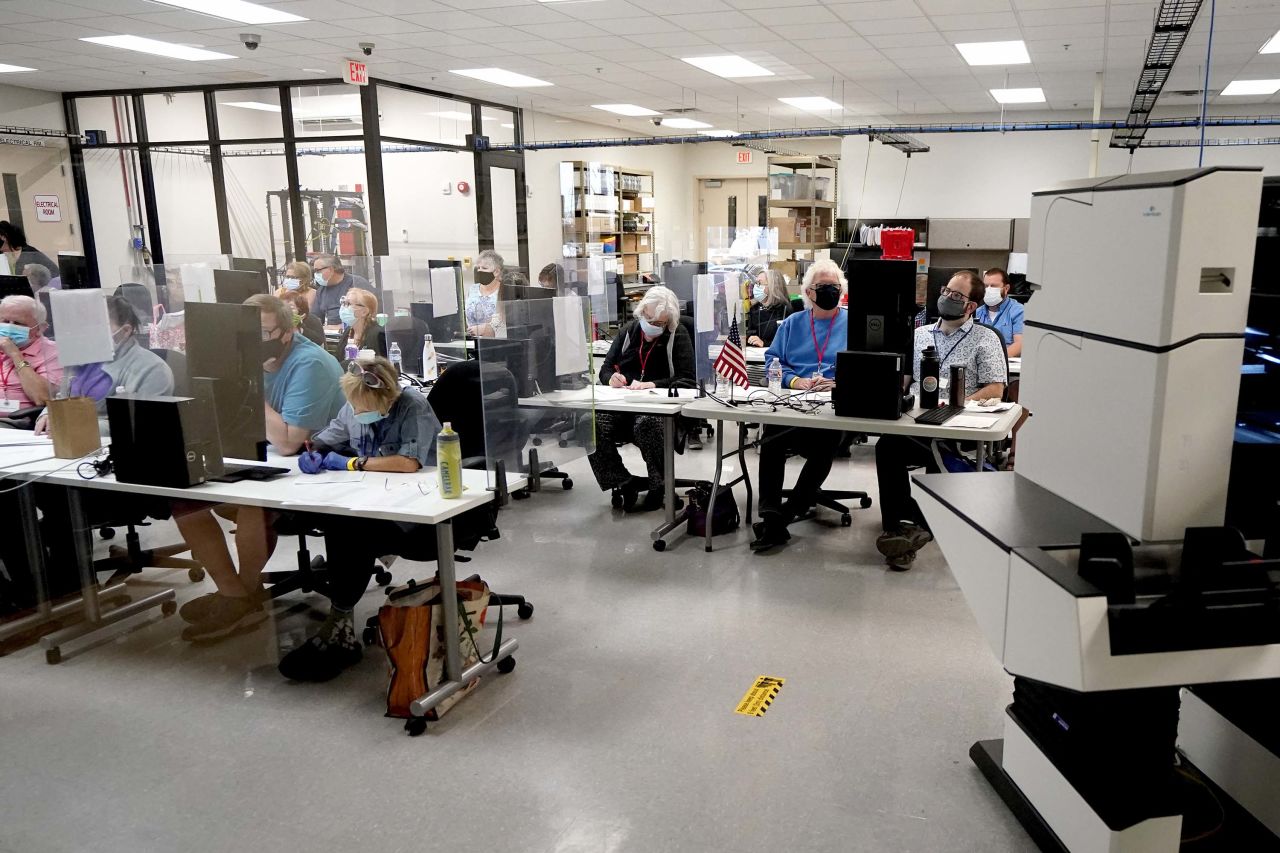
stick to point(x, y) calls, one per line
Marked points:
point(306, 322)
point(384, 428)
point(134, 368)
point(301, 394)
point(332, 283)
point(1005, 315)
point(298, 278)
point(484, 308)
point(957, 339)
point(806, 344)
point(13, 243)
point(358, 312)
point(770, 305)
point(29, 367)
point(652, 351)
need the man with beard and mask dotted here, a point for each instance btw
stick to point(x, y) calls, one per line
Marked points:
point(332, 283)
point(1000, 312)
point(806, 344)
point(302, 393)
point(957, 339)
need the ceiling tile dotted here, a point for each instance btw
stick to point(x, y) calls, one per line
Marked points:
point(963, 7)
point(893, 26)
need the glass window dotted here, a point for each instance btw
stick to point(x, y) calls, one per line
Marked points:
point(46, 201)
point(257, 182)
point(326, 111)
point(184, 200)
point(405, 114)
point(498, 125)
point(248, 113)
point(335, 206)
point(112, 116)
point(119, 217)
point(421, 221)
point(502, 196)
point(175, 117)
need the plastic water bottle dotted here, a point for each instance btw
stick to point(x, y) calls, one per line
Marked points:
point(430, 368)
point(449, 462)
point(397, 360)
point(351, 352)
point(775, 375)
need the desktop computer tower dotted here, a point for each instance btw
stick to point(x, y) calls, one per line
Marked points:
point(868, 385)
point(882, 305)
point(160, 441)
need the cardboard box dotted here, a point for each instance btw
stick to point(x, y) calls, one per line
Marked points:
point(787, 268)
point(786, 226)
point(637, 243)
point(595, 224)
point(630, 263)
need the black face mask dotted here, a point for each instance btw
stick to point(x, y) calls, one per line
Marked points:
point(826, 296)
point(272, 349)
point(949, 309)
point(483, 278)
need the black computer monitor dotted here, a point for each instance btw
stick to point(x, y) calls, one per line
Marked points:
point(516, 292)
point(882, 306)
point(14, 285)
point(678, 277)
point(224, 354)
point(442, 329)
point(233, 287)
point(938, 278)
point(73, 272)
point(252, 265)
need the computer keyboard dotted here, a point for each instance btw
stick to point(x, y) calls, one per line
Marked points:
point(939, 416)
point(232, 473)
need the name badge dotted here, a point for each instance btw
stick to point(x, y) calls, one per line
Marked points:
point(9, 406)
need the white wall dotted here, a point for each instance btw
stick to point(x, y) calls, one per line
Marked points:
point(22, 107)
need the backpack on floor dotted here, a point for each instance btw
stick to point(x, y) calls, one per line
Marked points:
point(726, 517)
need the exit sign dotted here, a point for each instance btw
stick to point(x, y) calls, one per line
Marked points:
point(355, 72)
point(744, 156)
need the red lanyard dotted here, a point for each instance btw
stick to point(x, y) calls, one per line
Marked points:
point(813, 328)
point(644, 357)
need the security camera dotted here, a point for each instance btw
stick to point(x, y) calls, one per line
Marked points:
point(251, 40)
point(367, 48)
point(657, 122)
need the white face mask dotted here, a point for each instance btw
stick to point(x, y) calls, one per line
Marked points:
point(993, 296)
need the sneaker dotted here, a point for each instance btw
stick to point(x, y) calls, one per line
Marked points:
point(202, 607)
point(321, 658)
point(907, 538)
point(902, 562)
point(694, 440)
point(226, 616)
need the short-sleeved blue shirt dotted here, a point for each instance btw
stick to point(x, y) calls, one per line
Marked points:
point(1007, 321)
point(305, 390)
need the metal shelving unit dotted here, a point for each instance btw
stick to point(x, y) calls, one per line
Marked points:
point(794, 187)
point(608, 210)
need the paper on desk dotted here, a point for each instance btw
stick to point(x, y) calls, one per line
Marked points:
point(971, 421)
point(329, 478)
point(444, 292)
point(394, 495)
point(83, 312)
point(704, 308)
point(975, 407)
point(571, 334)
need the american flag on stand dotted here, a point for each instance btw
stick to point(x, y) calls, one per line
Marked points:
point(730, 363)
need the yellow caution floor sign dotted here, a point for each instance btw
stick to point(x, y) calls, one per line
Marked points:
point(760, 696)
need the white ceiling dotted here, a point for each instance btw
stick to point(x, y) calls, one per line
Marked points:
point(880, 58)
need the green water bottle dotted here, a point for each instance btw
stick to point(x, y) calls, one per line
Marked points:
point(449, 462)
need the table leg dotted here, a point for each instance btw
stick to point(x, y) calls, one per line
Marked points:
point(715, 482)
point(535, 471)
point(982, 455)
point(671, 519)
point(742, 460)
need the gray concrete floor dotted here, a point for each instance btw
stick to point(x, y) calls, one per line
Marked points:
point(616, 732)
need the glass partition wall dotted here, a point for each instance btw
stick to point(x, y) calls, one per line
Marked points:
point(291, 171)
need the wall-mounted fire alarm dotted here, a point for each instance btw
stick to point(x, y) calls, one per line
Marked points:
point(464, 187)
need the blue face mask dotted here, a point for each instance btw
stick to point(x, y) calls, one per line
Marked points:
point(757, 293)
point(347, 315)
point(369, 418)
point(650, 329)
point(20, 335)
point(291, 284)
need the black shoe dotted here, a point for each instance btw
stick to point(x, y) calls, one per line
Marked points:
point(224, 616)
point(653, 500)
point(319, 659)
point(771, 532)
point(694, 440)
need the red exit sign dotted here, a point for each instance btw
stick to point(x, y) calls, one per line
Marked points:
point(355, 72)
point(744, 156)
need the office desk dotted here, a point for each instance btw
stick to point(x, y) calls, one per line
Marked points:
point(410, 498)
point(825, 418)
point(655, 402)
point(753, 355)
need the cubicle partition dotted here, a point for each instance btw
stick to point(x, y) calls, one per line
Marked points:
point(715, 306)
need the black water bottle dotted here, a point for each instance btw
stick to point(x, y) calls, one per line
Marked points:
point(929, 369)
point(957, 385)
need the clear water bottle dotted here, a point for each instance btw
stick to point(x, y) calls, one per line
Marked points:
point(430, 369)
point(775, 375)
point(397, 360)
point(351, 352)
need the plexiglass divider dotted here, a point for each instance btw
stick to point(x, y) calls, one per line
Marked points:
point(715, 299)
point(537, 386)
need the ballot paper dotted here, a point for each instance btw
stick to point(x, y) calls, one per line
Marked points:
point(80, 316)
point(972, 421)
point(976, 407)
point(571, 334)
point(444, 292)
point(329, 478)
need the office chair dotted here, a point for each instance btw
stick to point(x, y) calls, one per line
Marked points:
point(830, 499)
point(132, 558)
point(139, 297)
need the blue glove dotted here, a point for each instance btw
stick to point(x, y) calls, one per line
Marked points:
point(335, 461)
point(310, 462)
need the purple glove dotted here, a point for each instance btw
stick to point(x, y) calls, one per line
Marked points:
point(335, 461)
point(310, 462)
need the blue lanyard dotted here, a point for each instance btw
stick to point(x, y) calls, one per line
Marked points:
point(936, 346)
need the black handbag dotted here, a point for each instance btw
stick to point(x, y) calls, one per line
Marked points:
point(726, 519)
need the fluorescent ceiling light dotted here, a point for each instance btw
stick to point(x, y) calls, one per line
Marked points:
point(995, 52)
point(689, 123)
point(813, 105)
point(729, 66)
point(6, 69)
point(1272, 45)
point(316, 70)
point(1252, 87)
point(1031, 95)
point(252, 105)
point(718, 133)
point(235, 10)
point(158, 48)
point(626, 109)
point(502, 77)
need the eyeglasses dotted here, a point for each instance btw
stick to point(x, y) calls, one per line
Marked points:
point(270, 334)
point(954, 295)
point(368, 377)
point(319, 270)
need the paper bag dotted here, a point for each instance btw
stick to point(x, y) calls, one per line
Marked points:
point(73, 424)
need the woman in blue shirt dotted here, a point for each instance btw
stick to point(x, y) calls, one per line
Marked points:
point(1001, 312)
